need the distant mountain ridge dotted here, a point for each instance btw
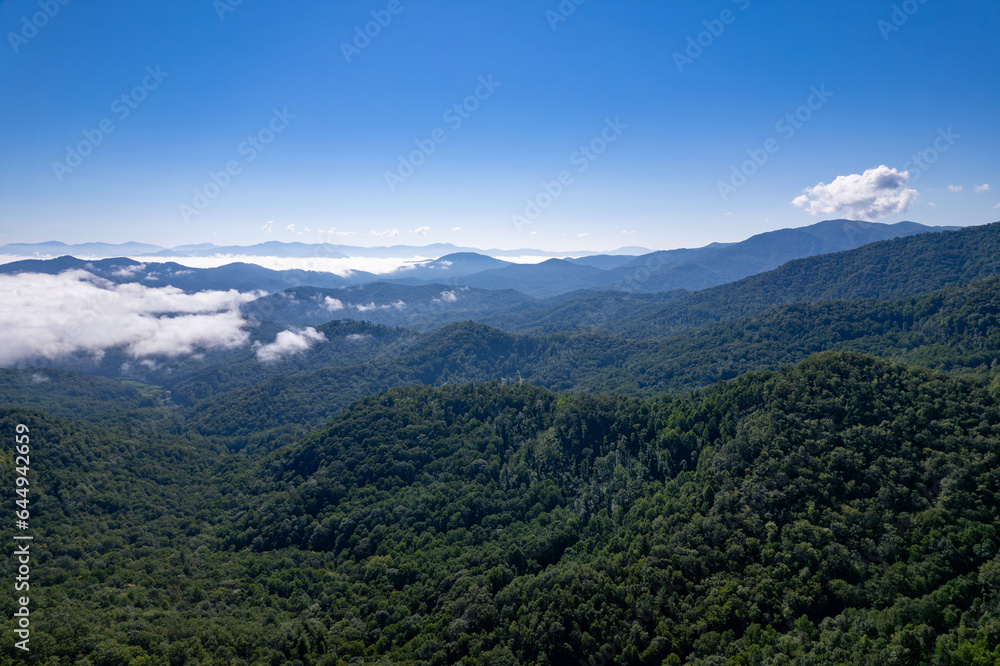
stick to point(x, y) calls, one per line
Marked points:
point(720, 263)
point(52, 249)
point(687, 268)
point(887, 270)
point(690, 268)
point(238, 276)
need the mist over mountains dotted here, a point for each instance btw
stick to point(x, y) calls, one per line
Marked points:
point(616, 297)
point(442, 446)
point(556, 295)
point(691, 269)
point(479, 475)
point(500, 334)
point(51, 249)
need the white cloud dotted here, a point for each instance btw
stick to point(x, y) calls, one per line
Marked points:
point(446, 297)
point(357, 337)
point(39, 378)
point(955, 188)
point(391, 233)
point(178, 336)
point(327, 235)
point(290, 227)
point(997, 206)
point(456, 228)
point(871, 195)
point(128, 271)
point(287, 343)
point(582, 234)
point(53, 316)
point(627, 231)
point(399, 305)
point(332, 304)
point(983, 188)
point(268, 227)
point(341, 266)
point(931, 204)
point(421, 231)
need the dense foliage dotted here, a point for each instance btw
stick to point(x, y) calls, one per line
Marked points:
point(954, 329)
point(842, 510)
point(478, 496)
point(886, 270)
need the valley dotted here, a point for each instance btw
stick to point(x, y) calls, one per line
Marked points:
point(797, 465)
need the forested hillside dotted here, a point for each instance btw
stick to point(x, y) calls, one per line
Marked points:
point(651, 272)
point(843, 510)
point(885, 270)
point(800, 467)
point(767, 517)
point(528, 333)
point(955, 329)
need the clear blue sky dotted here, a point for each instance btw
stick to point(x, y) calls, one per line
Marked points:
point(222, 70)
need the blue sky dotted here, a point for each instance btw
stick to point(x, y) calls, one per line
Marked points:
point(609, 125)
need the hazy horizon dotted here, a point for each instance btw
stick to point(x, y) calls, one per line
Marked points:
point(630, 248)
point(660, 126)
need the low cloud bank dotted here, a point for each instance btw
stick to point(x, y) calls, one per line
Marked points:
point(54, 316)
point(288, 343)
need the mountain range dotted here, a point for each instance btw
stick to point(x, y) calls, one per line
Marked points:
point(691, 269)
point(97, 250)
point(796, 466)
